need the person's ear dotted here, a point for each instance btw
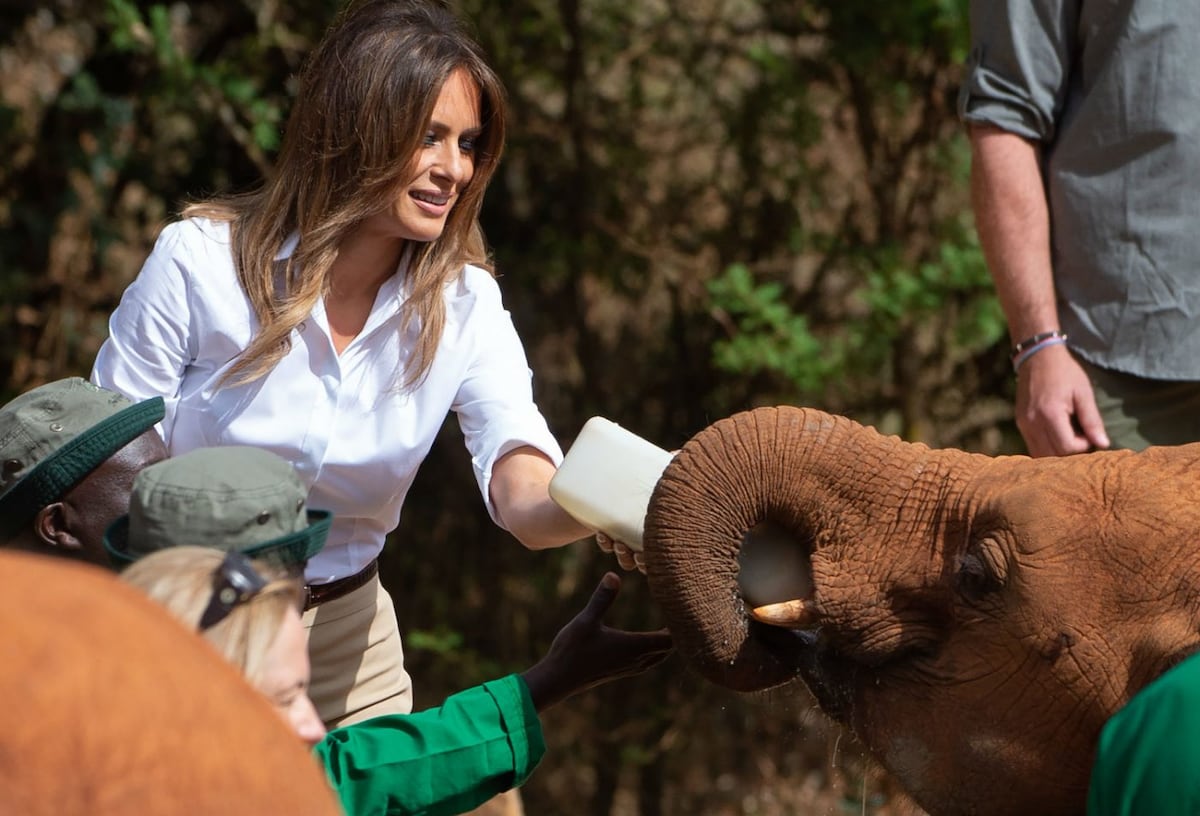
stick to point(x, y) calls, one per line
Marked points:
point(50, 527)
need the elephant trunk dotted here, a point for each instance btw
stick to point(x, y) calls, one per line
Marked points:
point(824, 481)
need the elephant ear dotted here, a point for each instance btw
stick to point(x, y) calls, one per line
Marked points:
point(726, 480)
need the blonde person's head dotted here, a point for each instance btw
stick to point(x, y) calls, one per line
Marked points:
point(364, 101)
point(257, 628)
point(181, 580)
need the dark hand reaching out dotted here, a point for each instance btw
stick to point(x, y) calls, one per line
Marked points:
point(586, 653)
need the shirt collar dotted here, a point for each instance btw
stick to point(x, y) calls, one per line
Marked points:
point(398, 287)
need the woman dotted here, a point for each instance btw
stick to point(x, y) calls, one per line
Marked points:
point(446, 760)
point(262, 640)
point(338, 312)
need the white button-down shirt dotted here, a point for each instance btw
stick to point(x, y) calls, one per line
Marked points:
point(355, 437)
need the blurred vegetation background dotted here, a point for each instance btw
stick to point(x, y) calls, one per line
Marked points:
point(704, 207)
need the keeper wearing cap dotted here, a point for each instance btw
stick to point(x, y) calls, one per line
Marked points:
point(69, 451)
point(227, 497)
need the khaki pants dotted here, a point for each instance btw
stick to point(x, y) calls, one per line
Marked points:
point(1138, 413)
point(357, 660)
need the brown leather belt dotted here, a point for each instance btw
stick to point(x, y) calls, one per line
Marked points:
point(316, 594)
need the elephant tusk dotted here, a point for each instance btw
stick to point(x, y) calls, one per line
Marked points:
point(792, 614)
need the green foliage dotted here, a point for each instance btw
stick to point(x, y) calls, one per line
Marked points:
point(127, 29)
point(229, 80)
point(862, 285)
point(863, 30)
point(770, 336)
point(900, 296)
point(438, 641)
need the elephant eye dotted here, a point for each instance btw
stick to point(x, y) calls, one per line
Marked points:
point(974, 578)
point(978, 574)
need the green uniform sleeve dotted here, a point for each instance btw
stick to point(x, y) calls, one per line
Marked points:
point(444, 760)
point(1148, 758)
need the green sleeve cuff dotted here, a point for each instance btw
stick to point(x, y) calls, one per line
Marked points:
point(521, 722)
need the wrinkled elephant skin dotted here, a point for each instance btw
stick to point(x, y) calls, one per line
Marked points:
point(974, 619)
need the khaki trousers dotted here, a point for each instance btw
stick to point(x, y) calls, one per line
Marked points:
point(357, 659)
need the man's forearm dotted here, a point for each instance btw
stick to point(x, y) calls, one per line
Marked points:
point(1013, 221)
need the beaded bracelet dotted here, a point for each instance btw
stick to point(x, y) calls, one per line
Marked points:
point(1027, 348)
point(1033, 341)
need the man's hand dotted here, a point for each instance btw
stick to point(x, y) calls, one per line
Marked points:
point(1056, 407)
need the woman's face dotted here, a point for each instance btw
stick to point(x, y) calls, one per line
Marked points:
point(285, 680)
point(440, 169)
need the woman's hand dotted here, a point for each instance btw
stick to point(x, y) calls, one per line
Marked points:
point(627, 557)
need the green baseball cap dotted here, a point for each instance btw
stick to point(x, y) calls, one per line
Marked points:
point(229, 498)
point(55, 435)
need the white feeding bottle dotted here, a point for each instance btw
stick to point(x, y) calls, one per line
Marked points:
point(606, 478)
point(605, 482)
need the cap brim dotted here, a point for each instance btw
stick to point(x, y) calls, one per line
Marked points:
point(53, 477)
point(116, 538)
point(293, 549)
point(298, 547)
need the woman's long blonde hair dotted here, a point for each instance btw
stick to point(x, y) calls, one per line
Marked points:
point(365, 99)
point(181, 580)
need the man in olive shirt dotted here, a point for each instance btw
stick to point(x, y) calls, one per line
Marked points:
point(1084, 120)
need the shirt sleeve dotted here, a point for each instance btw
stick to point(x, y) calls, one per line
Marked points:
point(494, 402)
point(444, 760)
point(1019, 66)
point(149, 335)
point(1147, 759)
